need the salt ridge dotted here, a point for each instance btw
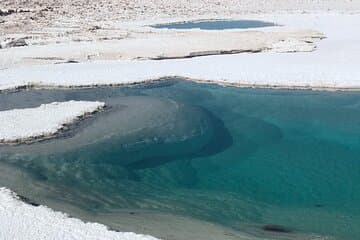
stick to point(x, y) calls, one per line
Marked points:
point(19, 125)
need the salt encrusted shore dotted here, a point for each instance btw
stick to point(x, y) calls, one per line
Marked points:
point(22, 221)
point(334, 64)
point(45, 121)
point(164, 44)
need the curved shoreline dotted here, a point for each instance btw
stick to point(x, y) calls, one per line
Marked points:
point(181, 78)
point(50, 224)
point(27, 130)
point(332, 66)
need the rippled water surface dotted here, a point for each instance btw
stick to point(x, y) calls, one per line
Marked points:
point(269, 163)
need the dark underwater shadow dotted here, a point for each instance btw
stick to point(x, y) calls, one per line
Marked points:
point(220, 141)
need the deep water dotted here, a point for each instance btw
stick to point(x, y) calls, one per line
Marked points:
point(216, 24)
point(261, 161)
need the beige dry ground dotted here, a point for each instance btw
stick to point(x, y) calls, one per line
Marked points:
point(100, 10)
point(23, 16)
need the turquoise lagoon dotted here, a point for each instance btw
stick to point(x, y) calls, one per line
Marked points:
point(275, 164)
point(216, 24)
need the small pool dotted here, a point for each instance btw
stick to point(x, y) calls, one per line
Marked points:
point(216, 25)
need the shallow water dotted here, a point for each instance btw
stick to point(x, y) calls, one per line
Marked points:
point(216, 24)
point(180, 152)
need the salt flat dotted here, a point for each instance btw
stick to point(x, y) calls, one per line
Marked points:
point(21, 125)
point(160, 45)
point(333, 65)
point(24, 221)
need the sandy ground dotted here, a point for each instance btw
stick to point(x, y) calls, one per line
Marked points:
point(84, 14)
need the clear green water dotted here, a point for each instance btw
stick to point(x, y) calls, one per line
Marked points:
point(240, 158)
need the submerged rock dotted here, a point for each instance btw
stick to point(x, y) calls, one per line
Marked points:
point(276, 228)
